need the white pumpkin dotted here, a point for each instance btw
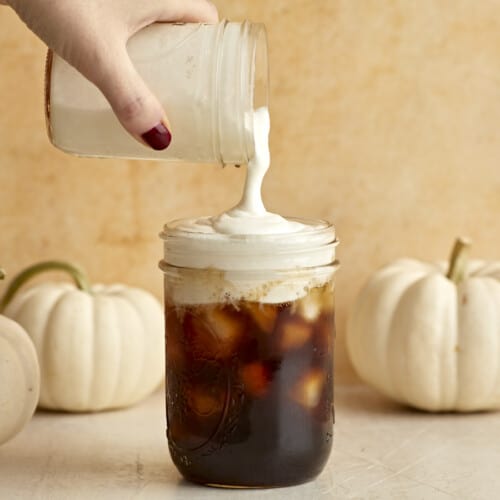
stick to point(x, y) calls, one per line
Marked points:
point(99, 347)
point(431, 338)
point(19, 378)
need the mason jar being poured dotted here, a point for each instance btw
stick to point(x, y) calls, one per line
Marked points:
point(209, 78)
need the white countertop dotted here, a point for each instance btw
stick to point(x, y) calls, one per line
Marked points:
point(381, 451)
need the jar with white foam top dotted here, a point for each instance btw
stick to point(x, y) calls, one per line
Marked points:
point(249, 333)
point(209, 79)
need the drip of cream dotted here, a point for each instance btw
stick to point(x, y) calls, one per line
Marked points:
point(250, 216)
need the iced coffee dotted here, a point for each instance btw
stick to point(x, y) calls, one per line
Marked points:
point(250, 364)
point(249, 302)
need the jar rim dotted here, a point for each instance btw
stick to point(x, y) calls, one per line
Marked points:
point(312, 247)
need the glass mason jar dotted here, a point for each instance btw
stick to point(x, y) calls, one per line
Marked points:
point(249, 355)
point(208, 77)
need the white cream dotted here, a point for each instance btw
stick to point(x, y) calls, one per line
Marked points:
point(250, 249)
point(250, 216)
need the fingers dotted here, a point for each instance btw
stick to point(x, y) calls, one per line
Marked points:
point(135, 106)
point(138, 110)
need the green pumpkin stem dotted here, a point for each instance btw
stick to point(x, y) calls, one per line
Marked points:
point(78, 276)
point(458, 260)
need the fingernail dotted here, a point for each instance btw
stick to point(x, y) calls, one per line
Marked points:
point(158, 137)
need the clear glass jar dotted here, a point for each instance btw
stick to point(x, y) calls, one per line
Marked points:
point(249, 355)
point(209, 79)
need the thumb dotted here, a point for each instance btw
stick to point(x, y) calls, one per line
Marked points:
point(135, 106)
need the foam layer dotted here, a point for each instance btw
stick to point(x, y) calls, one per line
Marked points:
point(314, 245)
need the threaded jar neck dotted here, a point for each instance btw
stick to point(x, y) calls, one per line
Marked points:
point(315, 246)
point(240, 86)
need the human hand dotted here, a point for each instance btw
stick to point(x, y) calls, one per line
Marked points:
point(92, 36)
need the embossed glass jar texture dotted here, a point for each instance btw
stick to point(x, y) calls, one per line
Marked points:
point(249, 356)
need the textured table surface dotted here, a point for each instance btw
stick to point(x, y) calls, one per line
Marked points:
point(381, 451)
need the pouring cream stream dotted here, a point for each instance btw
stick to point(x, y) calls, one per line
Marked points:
point(249, 216)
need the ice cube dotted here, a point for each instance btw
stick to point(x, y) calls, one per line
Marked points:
point(294, 334)
point(200, 340)
point(264, 315)
point(317, 300)
point(227, 329)
point(225, 326)
point(309, 307)
point(307, 391)
point(256, 378)
point(214, 333)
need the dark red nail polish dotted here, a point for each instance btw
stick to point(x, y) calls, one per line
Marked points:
point(158, 137)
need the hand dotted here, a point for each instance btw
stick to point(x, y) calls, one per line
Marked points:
point(92, 36)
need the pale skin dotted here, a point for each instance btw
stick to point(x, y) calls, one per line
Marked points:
point(92, 36)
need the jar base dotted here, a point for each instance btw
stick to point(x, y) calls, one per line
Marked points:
point(250, 487)
point(282, 475)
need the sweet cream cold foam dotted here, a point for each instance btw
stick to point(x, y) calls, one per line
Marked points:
point(246, 245)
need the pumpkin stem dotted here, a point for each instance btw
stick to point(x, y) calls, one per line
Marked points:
point(458, 260)
point(78, 276)
point(2, 274)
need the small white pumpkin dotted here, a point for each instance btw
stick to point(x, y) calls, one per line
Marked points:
point(428, 335)
point(19, 378)
point(99, 347)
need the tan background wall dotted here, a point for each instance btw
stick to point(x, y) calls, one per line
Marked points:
point(386, 120)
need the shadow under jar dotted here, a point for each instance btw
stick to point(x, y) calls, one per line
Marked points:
point(249, 355)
